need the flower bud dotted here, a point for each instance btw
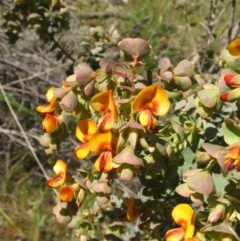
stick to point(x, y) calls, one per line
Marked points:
point(126, 174)
point(45, 140)
point(231, 95)
point(216, 213)
point(83, 73)
point(102, 200)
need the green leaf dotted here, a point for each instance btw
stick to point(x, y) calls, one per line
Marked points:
point(208, 97)
point(231, 132)
point(201, 182)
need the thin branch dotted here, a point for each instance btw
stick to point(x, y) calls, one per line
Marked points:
point(23, 133)
point(232, 18)
point(38, 75)
point(58, 45)
point(209, 27)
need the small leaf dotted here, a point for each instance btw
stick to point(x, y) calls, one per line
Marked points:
point(201, 182)
point(69, 101)
point(208, 97)
point(212, 149)
point(183, 190)
point(136, 47)
point(183, 81)
point(184, 68)
point(127, 156)
point(83, 73)
point(231, 132)
point(164, 64)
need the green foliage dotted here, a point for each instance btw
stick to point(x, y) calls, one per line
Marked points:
point(126, 135)
point(46, 17)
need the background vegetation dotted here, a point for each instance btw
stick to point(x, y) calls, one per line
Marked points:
point(38, 51)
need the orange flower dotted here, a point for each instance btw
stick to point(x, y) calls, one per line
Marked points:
point(60, 169)
point(232, 80)
point(66, 193)
point(152, 100)
point(50, 123)
point(51, 107)
point(85, 130)
point(233, 158)
point(105, 144)
point(234, 47)
point(102, 143)
point(104, 102)
point(183, 215)
point(104, 162)
point(231, 95)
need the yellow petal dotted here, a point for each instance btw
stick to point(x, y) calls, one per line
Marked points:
point(147, 119)
point(176, 234)
point(104, 162)
point(183, 215)
point(106, 122)
point(50, 95)
point(66, 194)
point(85, 130)
point(55, 181)
point(100, 101)
point(46, 109)
point(160, 104)
point(60, 168)
point(103, 142)
point(154, 98)
point(82, 151)
point(50, 123)
point(234, 152)
point(104, 101)
point(234, 47)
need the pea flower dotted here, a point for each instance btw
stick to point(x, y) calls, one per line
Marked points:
point(232, 160)
point(50, 122)
point(52, 104)
point(234, 47)
point(183, 215)
point(104, 102)
point(66, 193)
point(105, 144)
point(233, 81)
point(85, 130)
point(102, 143)
point(152, 100)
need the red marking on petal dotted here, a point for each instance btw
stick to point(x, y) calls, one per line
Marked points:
point(228, 78)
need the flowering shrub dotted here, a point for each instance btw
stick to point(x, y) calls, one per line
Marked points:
point(157, 147)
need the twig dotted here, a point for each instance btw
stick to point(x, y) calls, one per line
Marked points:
point(209, 27)
point(63, 50)
point(38, 75)
point(101, 15)
point(23, 133)
point(8, 219)
point(232, 18)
